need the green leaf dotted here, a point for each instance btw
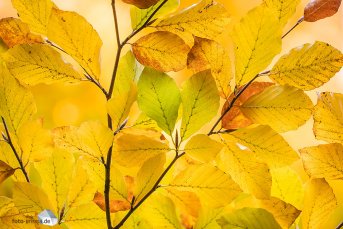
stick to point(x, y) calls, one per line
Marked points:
point(159, 98)
point(283, 108)
point(255, 218)
point(34, 64)
point(257, 40)
point(140, 16)
point(200, 102)
point(309, 66)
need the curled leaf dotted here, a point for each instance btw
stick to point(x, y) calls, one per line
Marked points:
point(320, 9)
point(115, 205)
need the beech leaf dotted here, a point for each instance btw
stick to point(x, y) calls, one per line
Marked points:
point(320, 9)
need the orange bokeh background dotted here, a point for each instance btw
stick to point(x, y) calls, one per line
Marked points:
point(62, 104)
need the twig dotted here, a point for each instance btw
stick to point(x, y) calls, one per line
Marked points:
point(298, 23)
point(339, 226)
point(9, 141)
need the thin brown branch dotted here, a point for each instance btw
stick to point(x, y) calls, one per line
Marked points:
point(296, 25)
point(9, 141)
point(340, 226)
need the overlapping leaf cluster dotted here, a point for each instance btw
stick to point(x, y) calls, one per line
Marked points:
point(164, 169)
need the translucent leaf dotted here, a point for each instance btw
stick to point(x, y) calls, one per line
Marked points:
point(115, 204)
point(86, 216)
point(268, 145)
point(208, 54)
point(215, 189)
point(55, 173)
point(92, 139)
point(328, 117)
point(200, 102)
point(235, 118)
point(309, 66)
point(207, 19)
point(147, 177)
point(140, 16)
point(35, 13)
point(323, 161)
point(208, 219)
point(285, 9)
point(163, 211)
point(133, 150)
point(34, 64)
point(283, 108)
point(285, 214)
point(250, 173)
point(202, 148)
point(319, 203)
point(82, 44)
point(141, 4)
point(5, 171)
point(319, 9)
point(14, 32)
point(161, 50)
point(155, 103)
point(29, 198)
point(256, 218)
point(16, 102)
point(257, 40)
point(287, 186)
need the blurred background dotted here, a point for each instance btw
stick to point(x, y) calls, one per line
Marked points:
point(63, 104)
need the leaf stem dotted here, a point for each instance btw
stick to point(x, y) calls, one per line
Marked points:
point(156, 185)
point(9, 141)
point(291, 29)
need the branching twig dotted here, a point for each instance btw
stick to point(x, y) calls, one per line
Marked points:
point(9, 141)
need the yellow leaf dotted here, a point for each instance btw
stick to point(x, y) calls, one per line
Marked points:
point(7, 156)
point(16, 102)
point(309, 66)
point(200, 102)
point(34, 64)
point(283, 108)
point(257, 40)
point(287, 186)
point(235, 119)
point(256, 218)
point(320, 202)
point(216, 189)
point(29, 198)
point(202, 148)
point(323, 161)
point(268, 145)
point(147, 177)
point(208, 219)
point(96, 171)
point(35, 13)
point(207, 19)
point(81, 190)
point(14, 32)
point(285, 9)
point(208, 54)
point(328, 117)
point(86, 216)
point(144, 122)
point(250, 173)
point(161, 50)
point(155, 103)
point(115, 205)
point(92, 139)
point(285, 214)
point(133, 150)
point(140, 16)
point(55, 173)
point(5, 171)
point(163, 211)
point(34, 141)
point(83, 45)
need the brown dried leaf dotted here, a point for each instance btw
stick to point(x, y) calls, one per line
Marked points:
point(115, 205)
point(5, 171)
point(163, 51)
point(235, 119)
point(142, 4)
point(320, 9)
point(14, 32)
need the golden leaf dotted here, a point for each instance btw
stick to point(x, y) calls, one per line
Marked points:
point(285, 9)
